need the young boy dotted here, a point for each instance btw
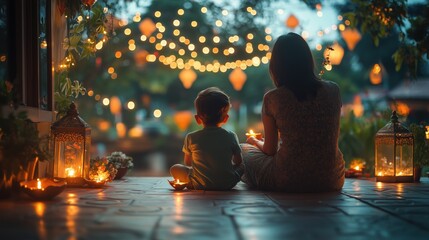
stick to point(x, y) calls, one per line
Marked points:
point(210, 152)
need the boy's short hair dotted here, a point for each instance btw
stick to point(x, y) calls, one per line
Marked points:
point(212, 105)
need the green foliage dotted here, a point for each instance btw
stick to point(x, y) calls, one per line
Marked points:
point(357, 135)
point(83, 35)
point(421, 146)
point(380, 18)
point(19, 143)
point(66, 92)
point(377, 17)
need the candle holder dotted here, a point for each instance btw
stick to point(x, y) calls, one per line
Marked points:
point(43, 189)
point(177, 184)
point(354, 173)
point(96, 183)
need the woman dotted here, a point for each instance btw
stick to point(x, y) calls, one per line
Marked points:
point(301, 124)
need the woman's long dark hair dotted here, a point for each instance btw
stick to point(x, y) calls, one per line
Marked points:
point(292, 66)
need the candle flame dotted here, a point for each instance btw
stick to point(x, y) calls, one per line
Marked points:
point(101, 177)
point(39, 184)
point(251, 133)
point(177, 181)
point(70, 172)
point(357, 168)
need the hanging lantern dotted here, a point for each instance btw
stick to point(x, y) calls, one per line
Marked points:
point(402, 108)
point(357, 107)
point(140, 58)
point(187, 77)
point(115, 105)
point(292, 22)
point(335, 54)
point(147, 27)
point(394, 152)
point(375, 75)
point(121, 129)
point(352, 37)
point(183, 119)
point(237, 78)
point(88, 3)
point(72, 142)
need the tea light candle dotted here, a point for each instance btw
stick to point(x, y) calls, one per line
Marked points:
point(43, 189)
point(354, 171)
point(98, 181)
point(251, 133)
point(177, 184)
point(70, 172)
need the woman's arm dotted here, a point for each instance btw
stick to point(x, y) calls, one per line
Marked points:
point(188, 159)
point(269, 144)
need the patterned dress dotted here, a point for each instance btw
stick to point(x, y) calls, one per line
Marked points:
point(308, 158)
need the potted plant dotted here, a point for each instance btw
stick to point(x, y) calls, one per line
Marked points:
point(421, 149)
point(122, 162)
point(101, 171)
point(20, 144)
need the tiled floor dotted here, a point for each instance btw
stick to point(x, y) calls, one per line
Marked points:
point(147, 208)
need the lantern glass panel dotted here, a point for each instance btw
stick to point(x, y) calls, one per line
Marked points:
point(404, 160)
point(69, 157)
point(384, 165)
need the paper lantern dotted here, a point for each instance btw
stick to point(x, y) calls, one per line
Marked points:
point(183, 119)
point(292, 22)
point(140, 58)
point(357, 107)
point(72, 143)
point(375, 75)
point(394, 152)
point(88, 3)
point(187, 77)
point(335, 55)
point(147, 27)
point(115, 105)
point(351, 36)
point(237, 78)
point(121, 129)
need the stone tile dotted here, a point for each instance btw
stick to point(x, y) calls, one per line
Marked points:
point(185, 227)
point(362, 211)
point(253, 210)
point(148, 208)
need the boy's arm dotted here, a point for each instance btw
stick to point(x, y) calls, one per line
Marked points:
point(237, 158)
point(187, 159)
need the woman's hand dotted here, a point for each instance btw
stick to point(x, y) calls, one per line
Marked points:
point(252, 140)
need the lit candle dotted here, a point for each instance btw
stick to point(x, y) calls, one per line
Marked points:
point(43, 189)
point(70, 172)
point(251, 133)
point(177, 184)
point(39, 184)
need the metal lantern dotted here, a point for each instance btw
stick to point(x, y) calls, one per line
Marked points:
point(72, 142)
point(394, 152)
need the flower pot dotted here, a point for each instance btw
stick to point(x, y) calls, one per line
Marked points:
point(121, 173)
